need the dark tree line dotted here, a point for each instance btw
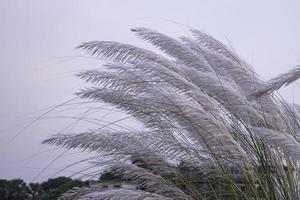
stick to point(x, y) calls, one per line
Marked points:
point(51, 189)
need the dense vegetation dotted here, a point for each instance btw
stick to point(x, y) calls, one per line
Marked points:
point(213, 128)
point(51, 189)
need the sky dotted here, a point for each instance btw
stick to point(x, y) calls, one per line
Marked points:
point(38, 60)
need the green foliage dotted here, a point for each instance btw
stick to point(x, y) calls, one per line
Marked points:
point(15, 189)
point(51, 189)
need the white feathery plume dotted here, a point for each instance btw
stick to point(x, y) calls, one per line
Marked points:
point(147, 180)
point(153, 145)
point(173, 47)
point(207, 41)
point(105, 141)
point(284, 141)
point(210, 83)
point(155, 99)
point(277, 82)
point(183, 54)
point(122, 194)
point(98, 192)
point(230, 98)
point(125, 53)
point(240, 77)
point(199, 125)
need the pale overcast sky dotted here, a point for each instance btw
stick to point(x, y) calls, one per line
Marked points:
point(38, 59)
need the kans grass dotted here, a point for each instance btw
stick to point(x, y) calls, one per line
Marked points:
point(212, 128)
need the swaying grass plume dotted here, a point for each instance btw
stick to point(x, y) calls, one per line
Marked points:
point(213, 129)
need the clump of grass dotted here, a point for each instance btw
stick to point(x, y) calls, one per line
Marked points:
point(213, 129)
